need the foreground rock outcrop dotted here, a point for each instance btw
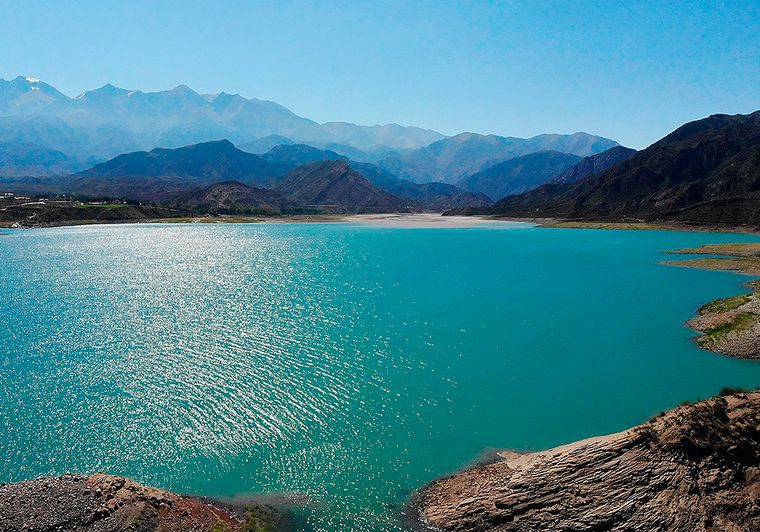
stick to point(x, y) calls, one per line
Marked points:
point(105, 503)
point(695, 468)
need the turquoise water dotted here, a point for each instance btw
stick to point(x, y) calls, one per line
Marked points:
point(347, 364)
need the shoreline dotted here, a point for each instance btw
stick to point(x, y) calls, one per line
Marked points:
point(404, 220)
point(730, 325)
point(637, 225)
point(537, 490)
point(387, 220)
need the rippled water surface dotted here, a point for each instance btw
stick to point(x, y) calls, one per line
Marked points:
point(346, 364)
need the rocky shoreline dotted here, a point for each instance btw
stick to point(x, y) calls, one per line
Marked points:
point(695, 468)
point(107, 503)
point(731, 325)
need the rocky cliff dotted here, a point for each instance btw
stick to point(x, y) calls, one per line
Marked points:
point(692, 469)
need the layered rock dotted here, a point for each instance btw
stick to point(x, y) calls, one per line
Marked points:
point(695, 468)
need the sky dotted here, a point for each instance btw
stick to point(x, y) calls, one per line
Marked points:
point(630, 71)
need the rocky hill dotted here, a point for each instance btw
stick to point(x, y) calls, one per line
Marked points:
point(693, 469)
point(233, 197)
point(334, 185)
point(707, 171)
point(519, 174)
point(430, 196)
point(162, 174)
point(593, 164)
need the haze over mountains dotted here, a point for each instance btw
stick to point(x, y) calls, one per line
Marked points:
point(105, 122)
point(454, 158)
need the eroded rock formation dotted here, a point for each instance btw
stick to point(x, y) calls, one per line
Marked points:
point(692, 469)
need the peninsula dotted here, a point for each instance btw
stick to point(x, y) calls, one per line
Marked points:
point(731, 325)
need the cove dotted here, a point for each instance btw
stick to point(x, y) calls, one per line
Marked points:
point(346, 364)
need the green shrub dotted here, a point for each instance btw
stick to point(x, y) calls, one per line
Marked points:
point(730, 390)
point(722, 305)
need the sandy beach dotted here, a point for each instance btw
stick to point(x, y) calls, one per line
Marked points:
point(428, 220)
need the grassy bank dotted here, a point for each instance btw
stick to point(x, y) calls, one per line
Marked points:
point(637, 226)
point(730, 325)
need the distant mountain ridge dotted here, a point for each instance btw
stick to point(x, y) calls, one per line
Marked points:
point(452, 159)
point(520, 174)
point(297, 154)
point(217, 177)
point(135, 120)
point(264, 144)
point(26, 95)
point(162, 173)
point(706, 171)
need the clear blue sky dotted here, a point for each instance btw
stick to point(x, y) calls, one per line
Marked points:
point(631, 71)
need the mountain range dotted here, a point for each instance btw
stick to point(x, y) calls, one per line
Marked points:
point(519, 174)
point(452, 159)
point(706, 171)
point(218, 177)
point(105, 122)
point(161, 174)
point(162, 147)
